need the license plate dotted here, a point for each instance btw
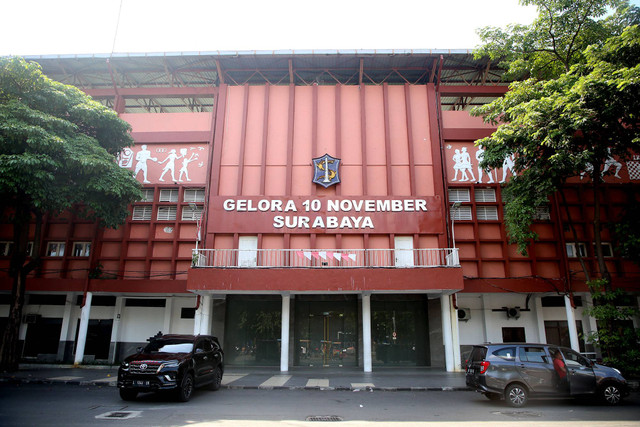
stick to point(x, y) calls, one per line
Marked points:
point(141, 383)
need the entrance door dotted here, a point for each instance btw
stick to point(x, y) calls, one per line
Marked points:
point(326, 331)
point(404, 251)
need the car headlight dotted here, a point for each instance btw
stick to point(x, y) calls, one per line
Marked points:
point(167, 365)
point(125, 366)
point(619, 373)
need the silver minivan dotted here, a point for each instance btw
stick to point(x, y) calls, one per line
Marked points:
point(516, 371)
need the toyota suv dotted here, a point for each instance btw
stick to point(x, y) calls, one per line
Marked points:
point(174, 363)
point(516, 371)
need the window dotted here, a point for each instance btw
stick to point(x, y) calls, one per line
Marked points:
point(29, 248)
point(508, 353)
point(558, 301)
point(141, 213)
point(147, 195)
point(462, 213)
point(532, 354)
point(514, 334)
point(191, 213)
point(542, 213)
point(55, 249)
point(167, 213)
point(487, 213)
point(483, 195)
point(459, 195)
point(573, 253)
point(194, 195)
point(188, 313)
point(607, 249)
point(168, 195)
point(5, 248)
point(574, 359)
point(81, 249)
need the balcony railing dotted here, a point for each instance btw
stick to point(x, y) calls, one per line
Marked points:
point(325, 258)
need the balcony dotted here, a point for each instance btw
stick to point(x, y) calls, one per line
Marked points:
point(325, 258)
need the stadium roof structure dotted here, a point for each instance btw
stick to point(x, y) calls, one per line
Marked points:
point(141, 75)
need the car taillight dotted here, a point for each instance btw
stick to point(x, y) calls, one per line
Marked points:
point(484, 366)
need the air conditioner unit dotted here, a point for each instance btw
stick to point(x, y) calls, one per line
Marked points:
point(464, 314)
point(513, 312)
point(31, 318)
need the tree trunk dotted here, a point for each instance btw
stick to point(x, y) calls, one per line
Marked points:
point(9, 350)
point(597, 228)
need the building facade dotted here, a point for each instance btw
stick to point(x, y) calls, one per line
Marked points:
point(310, 209)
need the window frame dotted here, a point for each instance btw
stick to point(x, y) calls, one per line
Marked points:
point(85, 249)
point(55, 253)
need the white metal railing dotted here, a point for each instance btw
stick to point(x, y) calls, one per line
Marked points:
point(325, 258)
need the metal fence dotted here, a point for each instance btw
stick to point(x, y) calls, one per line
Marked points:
point(325, 258)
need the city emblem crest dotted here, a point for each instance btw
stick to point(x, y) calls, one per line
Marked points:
point(325, 170)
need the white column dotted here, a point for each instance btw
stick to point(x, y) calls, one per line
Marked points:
point(455, 340)
point(366, 332)
point(447, 338)
point(66, 321)
point(168, 311)
point(284, 332)
point(484, 319)
point(571, 323)
point(202, 320)
point(542, 334)
point(115, 330)
point(82, 332)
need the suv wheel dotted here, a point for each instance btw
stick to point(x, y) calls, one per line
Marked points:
point(516, 395)
point(217, 379)
point(610, 394)
point(186, 388)
point(126, 394)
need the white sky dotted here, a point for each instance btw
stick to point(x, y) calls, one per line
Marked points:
point(43, 27)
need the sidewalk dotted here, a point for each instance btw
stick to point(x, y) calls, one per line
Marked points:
point(297, 378)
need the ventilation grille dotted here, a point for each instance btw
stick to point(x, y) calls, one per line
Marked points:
point(487, 213)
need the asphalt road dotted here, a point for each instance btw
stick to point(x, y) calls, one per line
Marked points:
point(72, 405)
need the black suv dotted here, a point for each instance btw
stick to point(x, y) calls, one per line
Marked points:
point(518, 370)
point(175, 363)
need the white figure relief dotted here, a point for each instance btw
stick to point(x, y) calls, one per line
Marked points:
point(507, 165)
point(125, 158)
point(612, 162)
point(466, 164)
point(488, 171)
point(457, 167)
point(171, 165)
point(185, 163)
point(142, 157)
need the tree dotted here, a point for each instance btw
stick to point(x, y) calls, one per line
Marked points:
point(576, 105)
point(58, 151)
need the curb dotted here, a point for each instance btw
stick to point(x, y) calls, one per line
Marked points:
point(238, 387)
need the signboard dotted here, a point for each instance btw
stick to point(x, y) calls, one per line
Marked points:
point(325, 214)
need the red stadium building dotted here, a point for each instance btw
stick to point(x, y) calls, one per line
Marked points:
point(310, 209)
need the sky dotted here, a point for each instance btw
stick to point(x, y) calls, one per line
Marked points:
point(49, 27)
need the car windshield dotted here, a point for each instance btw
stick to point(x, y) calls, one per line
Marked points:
point(169, 346)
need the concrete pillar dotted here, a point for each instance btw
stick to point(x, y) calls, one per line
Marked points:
point(168, 311)
point(571, 323)
point(455, 340)
point(366, 332)
point(284, 332)
point(115, 329)
point(82, 332)
point(202, 320)
point(447, 337)
point(66, 321)
point(537, 304)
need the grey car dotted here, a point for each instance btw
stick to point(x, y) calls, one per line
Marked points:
point(517, 371)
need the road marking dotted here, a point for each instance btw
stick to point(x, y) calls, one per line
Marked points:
point(64, 378)
point(362, 385)
point(229, 378)
point(107, 380)
point(323, 383)
point(275, 381)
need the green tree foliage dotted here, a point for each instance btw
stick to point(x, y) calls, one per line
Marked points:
point(565, 127)
point(616, 336)
point(58, 151)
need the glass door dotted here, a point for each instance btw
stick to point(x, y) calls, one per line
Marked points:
point(326, 332)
